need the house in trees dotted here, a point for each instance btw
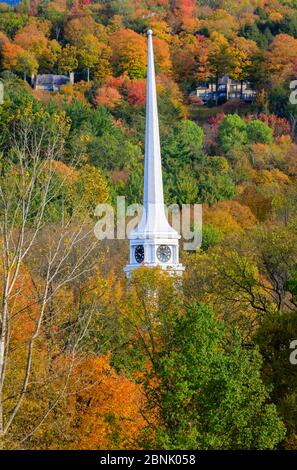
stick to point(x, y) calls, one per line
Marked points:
point(228, 89)
point(205, 93)
point(50, 82)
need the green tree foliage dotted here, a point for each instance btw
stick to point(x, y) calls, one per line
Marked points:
point(211, 236)
point(253, 32)
point(190, 176)
point(118, 7)
point(232, 132)
point(259, 132)
point(56, 17)
point(26, 64)
point(11, 22)
point(67, 61)
point(274, 339)
point(17, 99)
point(280, 105)
point(216, 182)
point(209, 389)
point(235, 133)
point(289, 25)
point(191, 136)
point(106, 144)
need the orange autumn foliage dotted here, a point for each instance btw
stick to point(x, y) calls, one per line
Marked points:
point(23, 307)
point(136, 92)
point(115, 82)
point(75, 92)
point(10, 54)
point(160, 28)
point(66, 171)
point(162, 56)
point(129, 53)
point(229, 217)
point(259, 204)
point(78, 26)
point(33, 36)
point(108, 407)
point(267, 177)
point(189, 58)
point(185, 15)
point(59, 5)
point(108, 96)
point(280, 57)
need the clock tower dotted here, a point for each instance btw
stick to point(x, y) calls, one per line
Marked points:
point(154, 242)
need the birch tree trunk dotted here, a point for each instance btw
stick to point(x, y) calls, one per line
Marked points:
point(65, 250)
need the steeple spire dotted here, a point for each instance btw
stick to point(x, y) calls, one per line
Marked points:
point(154, 242)
point(154, 220)
point(153, 184)
point(153, 193)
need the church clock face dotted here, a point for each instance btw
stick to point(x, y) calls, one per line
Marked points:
point(139, 253)
point(164, 253)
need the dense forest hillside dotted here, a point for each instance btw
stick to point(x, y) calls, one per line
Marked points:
point(86, 363)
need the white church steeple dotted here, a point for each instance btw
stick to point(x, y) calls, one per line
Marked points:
point(154, 242)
